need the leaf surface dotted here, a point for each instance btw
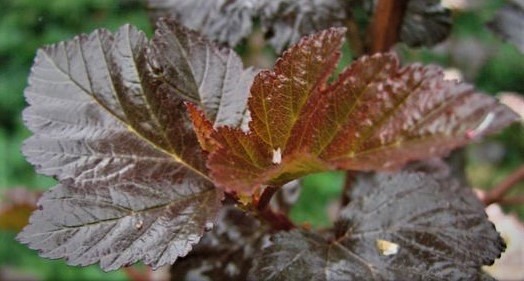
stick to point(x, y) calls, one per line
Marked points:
point(283, 21)
point(376, 115)
point(408, 226)
point(201, 72)
point(223, 20)
point(115, 133)
point(425, 23)
point(286, 21)
point(226, 252)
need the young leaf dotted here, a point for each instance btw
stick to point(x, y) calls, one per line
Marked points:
point(509, 23)
point(113, 130)
point(374, 116)
point(225, 21)
point(410, 226)
point(226, 252)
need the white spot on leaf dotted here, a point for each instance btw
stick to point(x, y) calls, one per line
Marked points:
point(139, 224)
point(481, 127)
point(277, 156)
point(387, 248)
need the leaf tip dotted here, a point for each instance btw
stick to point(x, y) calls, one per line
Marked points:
point(203, 128)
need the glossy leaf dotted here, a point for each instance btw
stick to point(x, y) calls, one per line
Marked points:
point(375, 116)
point(114, 131)
point(409, 226)
point(201, 72)
point(226, 252)
point(509, 23)
point(425, 23)
point(223, 20)
point(123, 223)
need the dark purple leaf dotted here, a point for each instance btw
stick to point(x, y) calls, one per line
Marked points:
point(286, 21)
point(408, 226)
point(113, 130)
point(227, 21)
point(122, 223)
point(202, 73)
point(226, 252)
point(426, 23)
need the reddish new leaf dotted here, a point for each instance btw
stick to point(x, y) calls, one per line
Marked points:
point(375, 116)
point(114, 131)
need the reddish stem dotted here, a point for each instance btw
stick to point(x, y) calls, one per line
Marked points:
point(385, 27)
point(348, 184)
point(277, 220)
point(497, 193)
point(263, 202)
point(517, 200)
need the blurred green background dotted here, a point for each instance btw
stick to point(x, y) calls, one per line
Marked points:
point(25, 25)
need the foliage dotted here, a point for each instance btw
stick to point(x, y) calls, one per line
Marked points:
point(375, 116)
point(286, 21)
point(147, 137)
point(133, 186)
point(385, 233)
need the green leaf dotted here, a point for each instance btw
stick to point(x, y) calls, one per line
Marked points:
point(113, 130)
point(375, 116)
point(406, 226)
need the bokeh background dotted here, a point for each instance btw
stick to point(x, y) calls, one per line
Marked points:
point(471, 51)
